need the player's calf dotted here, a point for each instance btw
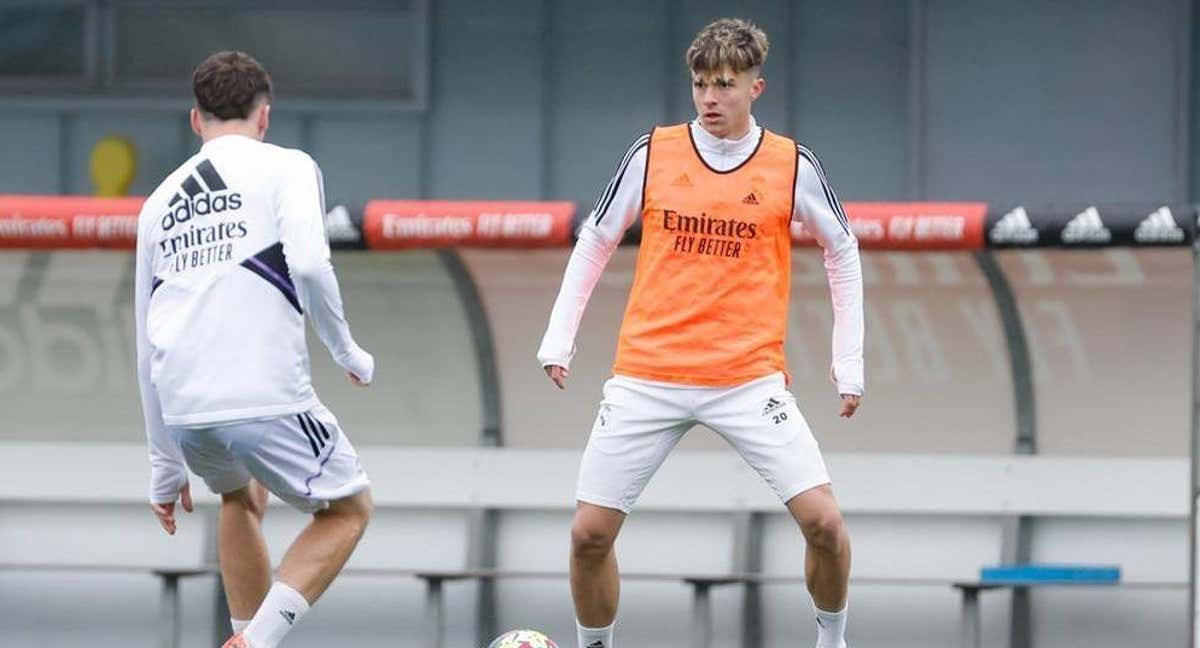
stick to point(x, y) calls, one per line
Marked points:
point(309, 567)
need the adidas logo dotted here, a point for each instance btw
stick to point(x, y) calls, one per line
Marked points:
point(596, 644)
point(750, 199)
point(1086, 227)
point(1014, 227)
point(339, 227)
point(202, 199)
point(682, 181)
point(1159, 227)
point(772, 405)
point(288, 616)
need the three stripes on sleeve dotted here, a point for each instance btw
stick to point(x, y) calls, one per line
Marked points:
point(834, 204)
point(606, 197)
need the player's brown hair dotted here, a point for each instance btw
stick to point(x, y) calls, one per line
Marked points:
point(728, 42)
point(229, 84)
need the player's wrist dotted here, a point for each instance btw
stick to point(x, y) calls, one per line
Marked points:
point(554, 358)
point(555, 352)
point(165, 484)
point(850, 389)
point(358, 362)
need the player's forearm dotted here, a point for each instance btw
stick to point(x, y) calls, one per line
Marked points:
point(164, 450)
point(167, 472)
point(321, 297)
point(844, 270)
point(588, 260)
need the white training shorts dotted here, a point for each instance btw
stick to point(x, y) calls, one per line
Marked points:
point(641, 421)
point(304, 459)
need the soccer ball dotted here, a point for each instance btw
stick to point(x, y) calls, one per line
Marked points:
point(522, 639)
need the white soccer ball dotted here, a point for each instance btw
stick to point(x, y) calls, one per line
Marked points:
point(522, 639)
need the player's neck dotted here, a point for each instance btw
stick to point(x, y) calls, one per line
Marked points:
point(734, 134)
point(245, 128)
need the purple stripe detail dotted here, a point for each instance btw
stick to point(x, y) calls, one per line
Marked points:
point(269, 273)
point(320, 469)
point(274, 275)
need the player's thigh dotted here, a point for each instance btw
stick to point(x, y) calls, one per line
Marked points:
point(305, 459)
point(635, 429)
point(207, 454)
point(763, 422)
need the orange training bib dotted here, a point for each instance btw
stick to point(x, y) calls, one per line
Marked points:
point(710, 295)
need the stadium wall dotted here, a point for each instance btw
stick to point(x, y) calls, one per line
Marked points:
point(921, 100)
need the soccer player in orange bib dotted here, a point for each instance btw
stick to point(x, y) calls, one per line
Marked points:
point(703, 334)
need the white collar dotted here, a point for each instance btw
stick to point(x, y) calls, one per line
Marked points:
point(708, 142)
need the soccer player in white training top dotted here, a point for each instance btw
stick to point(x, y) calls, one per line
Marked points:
point(231, 256)
point(703, 335)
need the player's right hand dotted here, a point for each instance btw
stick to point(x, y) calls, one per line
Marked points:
point(359, 367)
point(558, 375)
point(850, 403)
point(165, 512)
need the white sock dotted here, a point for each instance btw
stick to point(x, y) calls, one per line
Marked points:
point(595, 637)
point(831, 628)
point(279, 613)
point(238, 625)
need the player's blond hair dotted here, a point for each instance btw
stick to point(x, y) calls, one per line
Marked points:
point(728, 42)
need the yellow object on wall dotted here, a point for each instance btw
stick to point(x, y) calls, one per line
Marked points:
point(113, 165)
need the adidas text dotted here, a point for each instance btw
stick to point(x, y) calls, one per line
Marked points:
point(199, 197)
point(202, 205)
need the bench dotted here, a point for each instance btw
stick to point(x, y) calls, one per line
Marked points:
point(701, 584)
point(1016, 577)
point(171, 617)
point(999, 578)
point(982, 491)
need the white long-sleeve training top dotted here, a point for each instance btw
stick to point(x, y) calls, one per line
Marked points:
point(620, 205)
point(231, 254)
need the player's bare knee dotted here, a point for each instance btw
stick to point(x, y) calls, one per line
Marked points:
point(354, 511)
point(591, 540)
point(824, 531)
point(246, 500)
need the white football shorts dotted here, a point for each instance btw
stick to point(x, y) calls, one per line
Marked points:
point(640, 422)
point(304, 459)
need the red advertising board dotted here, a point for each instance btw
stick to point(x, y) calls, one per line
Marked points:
point(72, 222)
point(56, 222)
point(910, 226)
point(405, 224)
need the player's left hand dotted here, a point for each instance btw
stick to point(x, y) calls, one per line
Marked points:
point(166, 512)
point(850, 404)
